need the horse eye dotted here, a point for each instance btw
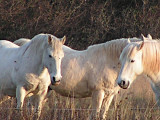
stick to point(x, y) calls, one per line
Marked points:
point(132, 61)
point(50, 56)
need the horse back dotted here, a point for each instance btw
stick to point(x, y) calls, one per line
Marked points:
point(7, 44)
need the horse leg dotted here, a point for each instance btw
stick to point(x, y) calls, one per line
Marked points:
point(156, 90)
point(106, 103)
point(38, 100)
point(97, 98)
point(30, 104)
point(20, 95)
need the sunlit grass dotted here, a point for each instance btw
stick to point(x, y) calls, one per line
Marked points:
point(136, 103)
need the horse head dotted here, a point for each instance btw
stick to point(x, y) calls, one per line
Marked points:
point(131, 63)
point(52, 57)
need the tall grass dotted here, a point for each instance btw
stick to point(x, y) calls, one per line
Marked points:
point(137, 103)
point(85, 22)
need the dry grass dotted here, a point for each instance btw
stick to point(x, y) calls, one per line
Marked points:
point(85, 22)
point(137, 103)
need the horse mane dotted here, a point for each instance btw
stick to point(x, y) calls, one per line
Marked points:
point(151, 56)
point(34, 43)
point(112, 48)
point(38, 39)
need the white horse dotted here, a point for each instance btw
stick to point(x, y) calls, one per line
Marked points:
point(40, 57)
point(141, 57)
point(92, 73)
point(21, 41)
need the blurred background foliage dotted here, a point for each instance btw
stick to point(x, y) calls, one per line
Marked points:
point(84, 22)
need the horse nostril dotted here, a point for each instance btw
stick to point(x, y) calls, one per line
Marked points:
point(123, 82)
point(54, 79)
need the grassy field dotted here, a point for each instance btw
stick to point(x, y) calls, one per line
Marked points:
point(136, 103)
point(84, 22)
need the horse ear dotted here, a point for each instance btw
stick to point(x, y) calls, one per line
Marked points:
point(142, 37)
point(63, 40)
point(149, 36)
point(129, 41)
point(49, 39)
point(140, 46)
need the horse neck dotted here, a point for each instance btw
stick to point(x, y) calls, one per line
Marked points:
point(33, 52)
point(114, 48)
point(95, 53)
point(111, 50)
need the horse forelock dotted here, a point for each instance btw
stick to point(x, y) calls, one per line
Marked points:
point(56, 45)
point(127, 51)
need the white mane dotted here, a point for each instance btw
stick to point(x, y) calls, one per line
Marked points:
point(151, 56)
point(112, 48)
point(36, 43)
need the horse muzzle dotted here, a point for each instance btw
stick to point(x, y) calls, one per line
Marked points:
point(54, 81)
point(123, 84)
